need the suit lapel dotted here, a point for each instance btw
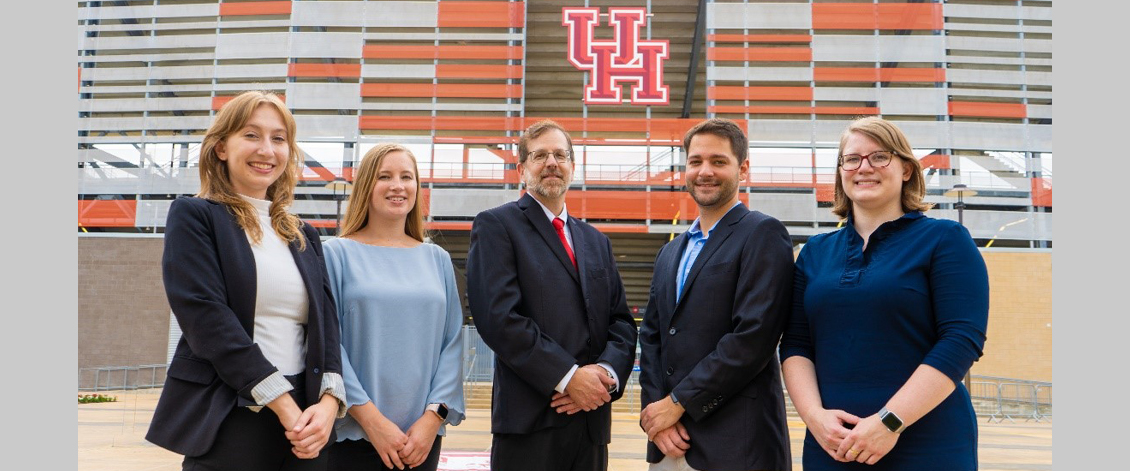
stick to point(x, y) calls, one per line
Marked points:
point(718, 236)
point(241, 270)
point(537, 218)
point(670, 272)
point(580, 250)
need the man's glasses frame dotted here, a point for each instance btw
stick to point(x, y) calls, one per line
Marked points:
point(539, 157)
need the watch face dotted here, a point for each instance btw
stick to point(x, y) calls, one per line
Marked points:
point(891, 421)
point(442, 412)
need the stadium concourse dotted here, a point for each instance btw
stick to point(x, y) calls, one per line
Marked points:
point(111, 438)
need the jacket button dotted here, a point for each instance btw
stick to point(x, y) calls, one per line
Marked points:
point(705, 409)
point(672, 331)
point(316, 370)
point(670, 371)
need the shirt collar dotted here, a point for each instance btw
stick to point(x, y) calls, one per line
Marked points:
point(696, 229)
point(549, 214)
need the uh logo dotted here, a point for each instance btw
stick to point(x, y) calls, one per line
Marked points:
point(624, 58)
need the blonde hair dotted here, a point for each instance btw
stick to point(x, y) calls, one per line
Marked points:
point(215, 182)
point(357, 215)
point(890, 138)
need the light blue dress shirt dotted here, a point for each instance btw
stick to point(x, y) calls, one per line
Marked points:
point(696, 240)
point(401, 331)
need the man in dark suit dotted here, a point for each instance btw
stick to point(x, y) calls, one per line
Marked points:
point(546, 296)
point(720, 298)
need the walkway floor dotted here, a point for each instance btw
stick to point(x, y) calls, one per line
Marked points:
point(111, 438)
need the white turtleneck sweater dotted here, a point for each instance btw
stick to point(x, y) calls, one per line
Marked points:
point(281, 302)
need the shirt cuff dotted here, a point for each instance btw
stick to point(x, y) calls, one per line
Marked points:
point(673, 398)
point(269, 389)
point(565, 381)
point(608, 366)
point(334, 385)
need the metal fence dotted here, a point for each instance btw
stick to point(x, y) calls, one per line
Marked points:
point(1001, 399)
point(106, 378)
point(997, 399)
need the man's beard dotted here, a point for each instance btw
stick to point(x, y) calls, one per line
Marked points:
point(725, 191)
point(552, 189)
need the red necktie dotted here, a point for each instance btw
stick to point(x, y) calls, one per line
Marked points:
point(560, 226)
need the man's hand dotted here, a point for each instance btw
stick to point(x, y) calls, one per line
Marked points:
point(660, 415)
point(672, 441)
point(588, 388)
point(564, 404)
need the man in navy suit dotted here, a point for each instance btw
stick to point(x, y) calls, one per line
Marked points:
point(720, 298)
point(547, 298)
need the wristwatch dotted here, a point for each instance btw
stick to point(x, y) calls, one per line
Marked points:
point(440, 411)
point(892, 421)
point(611, 387)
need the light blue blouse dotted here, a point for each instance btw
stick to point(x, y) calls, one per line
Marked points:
point(401, 331)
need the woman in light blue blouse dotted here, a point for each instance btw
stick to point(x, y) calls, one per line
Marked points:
point(401, 321)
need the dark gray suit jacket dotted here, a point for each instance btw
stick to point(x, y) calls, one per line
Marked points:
point(540, 315)
point(716, 348)
point(209, 274)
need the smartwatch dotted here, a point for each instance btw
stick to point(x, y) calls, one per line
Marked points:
point(440, 411)
point(891, 421)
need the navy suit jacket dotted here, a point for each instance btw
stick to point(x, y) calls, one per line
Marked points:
point(209, 275)
point(540, 315)
point(716, 348)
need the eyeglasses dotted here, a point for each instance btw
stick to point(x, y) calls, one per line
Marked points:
point(562, 156)
point(878, 159)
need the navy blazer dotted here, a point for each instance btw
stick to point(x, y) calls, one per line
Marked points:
point(209, 275)
point(716, 348)
point(540, 315)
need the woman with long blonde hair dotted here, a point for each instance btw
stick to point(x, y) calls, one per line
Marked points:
point(401, 322)
point(255, 382)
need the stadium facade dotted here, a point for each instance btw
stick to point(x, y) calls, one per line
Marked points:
point(969, 81)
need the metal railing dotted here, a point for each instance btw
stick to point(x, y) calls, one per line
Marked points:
point(997, 399)
point(1002, 399)
point(107, 378)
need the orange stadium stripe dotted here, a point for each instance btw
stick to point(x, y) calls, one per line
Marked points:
point(759, 93)
point(324, 70)
point(107, 213)
point(987, 110)
point(671, 129)
point(885, 16)
point(1042, 192)
point(939, 161)
point(395, 51)
point(481, 14)
point(442, 90)
point(477, 71)
point(820, 110)
point(886, 74)
point(760, 38)
point(448, 226)
point(254, 8)
point(761, 54)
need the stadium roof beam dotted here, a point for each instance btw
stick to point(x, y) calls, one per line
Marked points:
point(699, 26)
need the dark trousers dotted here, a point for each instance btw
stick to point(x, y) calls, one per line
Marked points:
point(568, 448)
point(256, 441)
point(359, 455)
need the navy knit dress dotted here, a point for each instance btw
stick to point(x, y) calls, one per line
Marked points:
point(867, 319)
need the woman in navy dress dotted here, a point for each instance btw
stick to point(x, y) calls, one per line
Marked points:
point(889, 313)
